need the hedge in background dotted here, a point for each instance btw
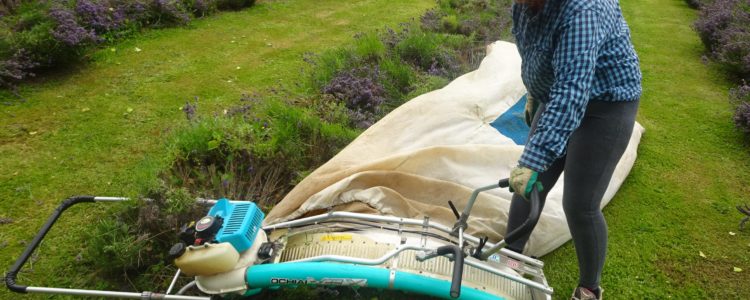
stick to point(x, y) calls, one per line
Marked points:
point(42, 34)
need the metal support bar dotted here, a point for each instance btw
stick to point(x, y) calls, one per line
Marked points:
point(360, 261)
point(174, 280)
point(111, 199)
point(424, 254)
point(531, 283)
point(415, 222)
point(473, 198)
point(110, 294)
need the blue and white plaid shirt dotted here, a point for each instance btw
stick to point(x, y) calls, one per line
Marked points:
point(573, 52)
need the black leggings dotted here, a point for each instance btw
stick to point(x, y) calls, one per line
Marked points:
point(593, 151)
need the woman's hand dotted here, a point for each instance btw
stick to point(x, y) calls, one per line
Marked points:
point(522, 180)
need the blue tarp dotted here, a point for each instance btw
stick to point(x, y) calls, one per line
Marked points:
point(511, 123)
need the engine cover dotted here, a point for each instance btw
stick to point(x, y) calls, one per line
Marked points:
point(242, 221)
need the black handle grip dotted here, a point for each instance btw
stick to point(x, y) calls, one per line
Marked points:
point(537, 204)
point(10, 277)
point(504, 183)
point(458, 267)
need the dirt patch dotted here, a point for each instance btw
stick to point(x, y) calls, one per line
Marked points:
point(323, 14)
point(4, 221)
point(708, 272)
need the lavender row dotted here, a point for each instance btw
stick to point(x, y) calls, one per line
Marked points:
point(48, 34)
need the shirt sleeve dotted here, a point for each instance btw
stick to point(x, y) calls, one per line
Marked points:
point(573, 62)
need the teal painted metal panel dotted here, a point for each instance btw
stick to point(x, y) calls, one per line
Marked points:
point(336, 274)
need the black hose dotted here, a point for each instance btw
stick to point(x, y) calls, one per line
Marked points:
point(458, 267)
point(10, 277)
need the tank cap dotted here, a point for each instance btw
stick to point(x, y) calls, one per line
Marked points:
point(176, 251)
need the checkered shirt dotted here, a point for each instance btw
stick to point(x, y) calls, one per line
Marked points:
point(573, 52)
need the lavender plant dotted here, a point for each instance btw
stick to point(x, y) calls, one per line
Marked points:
point(203, 8)
point(16, 68)
point(697, 4)
point(67, 29)
point(741, 95)
point(56, 32)
point(97, 15)
point(170, 12)
point(360, 91)
point(483, 20)
point(723, 27)
point(431, 20)
point(742, 117)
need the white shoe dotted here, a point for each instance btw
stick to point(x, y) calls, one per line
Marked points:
point(582, 293)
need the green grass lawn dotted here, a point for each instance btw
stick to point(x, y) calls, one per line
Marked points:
point(691, 171)
point(99, 129)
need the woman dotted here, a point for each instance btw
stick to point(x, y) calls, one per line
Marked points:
point(581, 70)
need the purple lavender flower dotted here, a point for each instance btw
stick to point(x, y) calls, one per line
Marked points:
point(714, 19)
point(432, 19)
point(16, 68)
point(741, 95)
point(96, 15)
point(190, 109)
point(742, 117)
point(172, 11)
point(360, 91)
point(358, 88)
point(131, 11)
point(203, 7)
point(68, 31)
point(723, 27)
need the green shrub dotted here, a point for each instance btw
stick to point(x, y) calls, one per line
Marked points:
point(420, 48)
point(32, 31)
point(139, 237)
point(369, 47)
point(323, 67)
point(398, 79)
point(202, 8)
point(112, 246)
point(426, 84)
point(255, 153)
point(482, 20)
point(450, 23)
point(381, 68)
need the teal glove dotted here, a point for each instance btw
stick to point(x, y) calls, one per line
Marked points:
point(522, 180)
point(531, 107)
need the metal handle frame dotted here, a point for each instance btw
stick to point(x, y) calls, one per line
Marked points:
point(537, 205)
point(11, 275)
